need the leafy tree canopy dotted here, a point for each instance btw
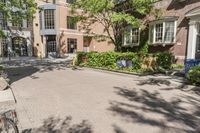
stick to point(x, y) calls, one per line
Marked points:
point(15, 11)
point(113, 15)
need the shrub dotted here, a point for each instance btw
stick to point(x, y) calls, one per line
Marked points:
point(79, 57)
point(164, 60)
point(109, 60)
point(194, 75)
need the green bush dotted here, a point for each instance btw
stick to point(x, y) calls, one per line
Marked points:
point(109, 60)
point(194, 75)
point(164, 60)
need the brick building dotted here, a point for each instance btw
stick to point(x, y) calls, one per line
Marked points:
point(55, 33)
point(177, 31)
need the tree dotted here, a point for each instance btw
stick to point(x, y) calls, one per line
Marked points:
point(113, 15)
point(14, 11)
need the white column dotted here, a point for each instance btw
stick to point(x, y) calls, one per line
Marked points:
point(191, 50)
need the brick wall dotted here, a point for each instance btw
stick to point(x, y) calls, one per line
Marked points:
point(174, 8)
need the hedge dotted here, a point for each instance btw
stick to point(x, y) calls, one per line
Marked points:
point(194, 75)
point(140, 61)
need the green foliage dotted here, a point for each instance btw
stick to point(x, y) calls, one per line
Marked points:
point(112, 15)
point(24, 10)
point(108, 60)
point(177, 66)
point(194, 75)
point(164, 60)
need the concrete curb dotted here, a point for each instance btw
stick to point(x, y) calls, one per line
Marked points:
point(173, 79)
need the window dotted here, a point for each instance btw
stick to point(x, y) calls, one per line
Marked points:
point(49, 18)
point(169, 32)
point(71, 24)
point(135, 35)
point(72, 45)
point(131, 36)
point(17, 21)
point(162, 32)
point(159, 32)
point(3, 22)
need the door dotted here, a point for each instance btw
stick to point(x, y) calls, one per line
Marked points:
point(51, 45)
point(19, 46)
point(72, 45)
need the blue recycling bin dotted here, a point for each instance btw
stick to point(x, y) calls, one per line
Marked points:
point(191, 63)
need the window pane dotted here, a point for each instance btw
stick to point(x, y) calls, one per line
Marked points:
point(71, 23)
point(159, 32)
point(127, 36)
point(3, 21)
point(135, 35)
point(49, 19)
point(169, 32)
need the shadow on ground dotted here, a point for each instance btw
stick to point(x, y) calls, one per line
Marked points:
point(175, 118)
point(155, 81)
point(57, 125)
point(18, 70)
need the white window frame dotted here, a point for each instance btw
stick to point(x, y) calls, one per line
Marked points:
point(153, 24)
point(131, 35)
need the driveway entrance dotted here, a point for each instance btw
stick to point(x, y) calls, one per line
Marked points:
point(50, 96)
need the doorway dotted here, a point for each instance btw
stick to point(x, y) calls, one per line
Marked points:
point(19, 46)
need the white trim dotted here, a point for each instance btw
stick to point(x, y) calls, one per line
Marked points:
point(131, 39)
point(48, 6)
point(153, 24)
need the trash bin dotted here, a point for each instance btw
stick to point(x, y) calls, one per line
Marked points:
point(190, 63)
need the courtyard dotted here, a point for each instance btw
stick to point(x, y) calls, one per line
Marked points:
point(55, 98)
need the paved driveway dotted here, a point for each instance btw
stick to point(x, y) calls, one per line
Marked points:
point(57, 99)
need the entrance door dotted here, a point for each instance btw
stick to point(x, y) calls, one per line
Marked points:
point(197, 54)
point(19, 46)
point(72, 45)
point(51, 45)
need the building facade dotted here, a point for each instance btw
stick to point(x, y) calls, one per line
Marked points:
point(56, 34)
point(177, 30)
point(17, 40)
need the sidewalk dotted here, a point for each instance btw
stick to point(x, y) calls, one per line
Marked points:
point(7, 100)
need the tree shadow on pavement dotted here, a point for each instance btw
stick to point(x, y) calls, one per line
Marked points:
point(28, 69)
point(142, 104)
point(17, 73)
point(57, 125)
point(155, 81)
